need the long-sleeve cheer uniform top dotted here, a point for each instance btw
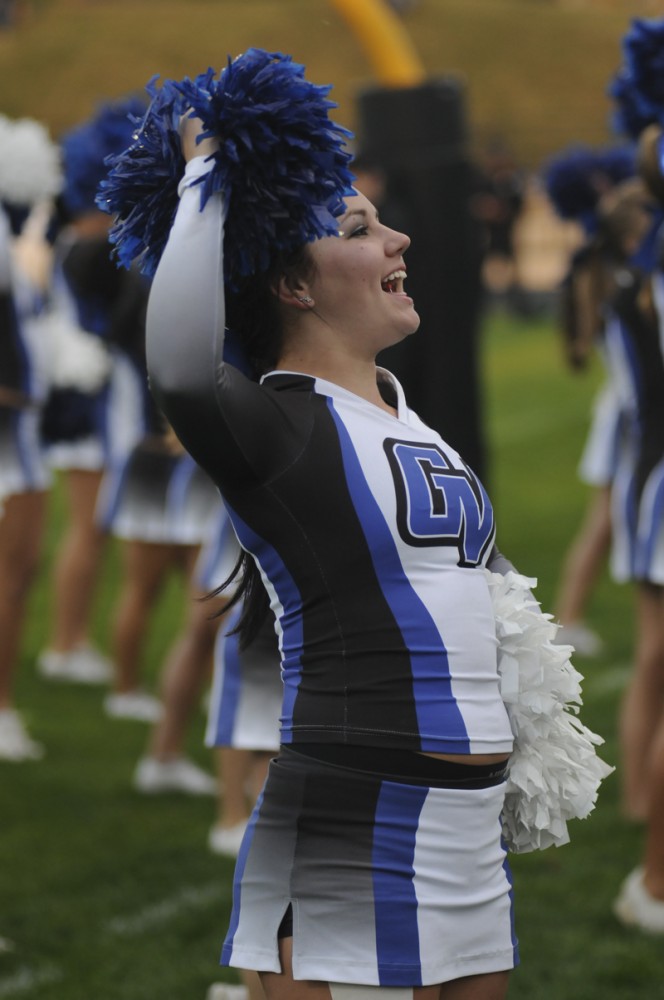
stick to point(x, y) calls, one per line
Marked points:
point(370, 532)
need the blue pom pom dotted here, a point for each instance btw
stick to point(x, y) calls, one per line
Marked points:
point(141, 186)
point(576, 179)
point(638, 87)
point(86, 148)
point(282, 165)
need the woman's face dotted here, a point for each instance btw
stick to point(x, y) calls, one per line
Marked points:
point(358, 285)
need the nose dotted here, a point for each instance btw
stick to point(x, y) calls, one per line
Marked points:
point(398, 243)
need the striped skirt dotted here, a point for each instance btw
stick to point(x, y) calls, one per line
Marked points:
point(390, 884)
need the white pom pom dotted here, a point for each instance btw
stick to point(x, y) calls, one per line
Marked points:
point(78, 360)
point(554, 772)
point(30, 169)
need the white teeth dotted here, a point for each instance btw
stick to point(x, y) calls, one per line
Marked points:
point(394, 275)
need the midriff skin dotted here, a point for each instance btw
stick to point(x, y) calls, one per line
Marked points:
point(467, 758)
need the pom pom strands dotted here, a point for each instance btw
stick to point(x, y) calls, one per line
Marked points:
point(638, 86)
point(30, 168)
point(554, 772)
point(576, 179)
point(281, 165)
point(141, 188)
point(86, 148)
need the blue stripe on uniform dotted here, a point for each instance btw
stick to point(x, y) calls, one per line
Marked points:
point(178, 488)
point(240, 865)
point(647, 544)
point(23, 451)
point(291, 626)
point(508, 875)
point(231, 686)
point(397, 936)
point(411, 615)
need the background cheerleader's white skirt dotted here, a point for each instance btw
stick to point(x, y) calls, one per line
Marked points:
point(154, 496)
point(23, 467)
point(247, 691)
point(637, 551)
point(606, 439)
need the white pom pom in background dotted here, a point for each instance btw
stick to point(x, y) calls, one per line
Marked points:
point(30, 169)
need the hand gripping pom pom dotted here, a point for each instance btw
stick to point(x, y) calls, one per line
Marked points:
point(554, 772)
point(281, 165)
point(638, 87)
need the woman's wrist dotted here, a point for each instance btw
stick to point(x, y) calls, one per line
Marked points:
point(190, 130)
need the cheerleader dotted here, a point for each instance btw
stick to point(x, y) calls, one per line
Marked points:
point(29, 177)
point(373, 859)
point(94, 411)
point(243, 723)
point(164, 766)
point(575, 181)
point(639, 553)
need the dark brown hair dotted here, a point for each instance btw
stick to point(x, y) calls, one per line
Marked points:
point(254, 312)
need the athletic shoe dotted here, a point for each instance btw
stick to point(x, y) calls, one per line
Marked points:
point(585, 641)
point(137, 705)
point(153, 776)
point(15, 744)
point(227, 839)
point(635, 907)
point(83, 665)
point(224, 991)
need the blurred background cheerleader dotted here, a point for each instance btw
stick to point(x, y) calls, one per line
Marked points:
point(575, 181)
point(29, 178)
point(243, 726)
point(94, 414)
point(164, 767)
point(639, 552)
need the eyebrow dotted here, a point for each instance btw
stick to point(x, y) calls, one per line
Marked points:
point(356, 211)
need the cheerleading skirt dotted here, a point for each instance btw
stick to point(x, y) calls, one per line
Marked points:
point(23, 467)
point(390, 882)
point(637, 502)
point(606, 438)
point(92, 431)
point(246, 695)
point(158, 497)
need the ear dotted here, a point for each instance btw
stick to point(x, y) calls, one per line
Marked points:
point(296, 297)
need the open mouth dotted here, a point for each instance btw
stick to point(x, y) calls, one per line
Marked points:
point(393, 282)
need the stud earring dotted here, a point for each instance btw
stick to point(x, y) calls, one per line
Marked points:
point(306, 300)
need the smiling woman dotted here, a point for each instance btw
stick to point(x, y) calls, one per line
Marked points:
point(373, 864)
point(341, 317)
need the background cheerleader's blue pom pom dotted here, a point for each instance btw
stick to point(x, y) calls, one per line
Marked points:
point(638, 87)
point(141, 186)
point(576, 179)
point(85, 149)
point(282, 164)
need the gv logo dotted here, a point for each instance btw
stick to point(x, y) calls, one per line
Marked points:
point(439, 504)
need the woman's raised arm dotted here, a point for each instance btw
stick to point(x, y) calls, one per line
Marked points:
point(185, 320)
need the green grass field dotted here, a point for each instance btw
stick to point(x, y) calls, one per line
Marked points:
point(113, 896)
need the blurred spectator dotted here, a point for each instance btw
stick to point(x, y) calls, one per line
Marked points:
point(496, 204)
point(8, 10)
